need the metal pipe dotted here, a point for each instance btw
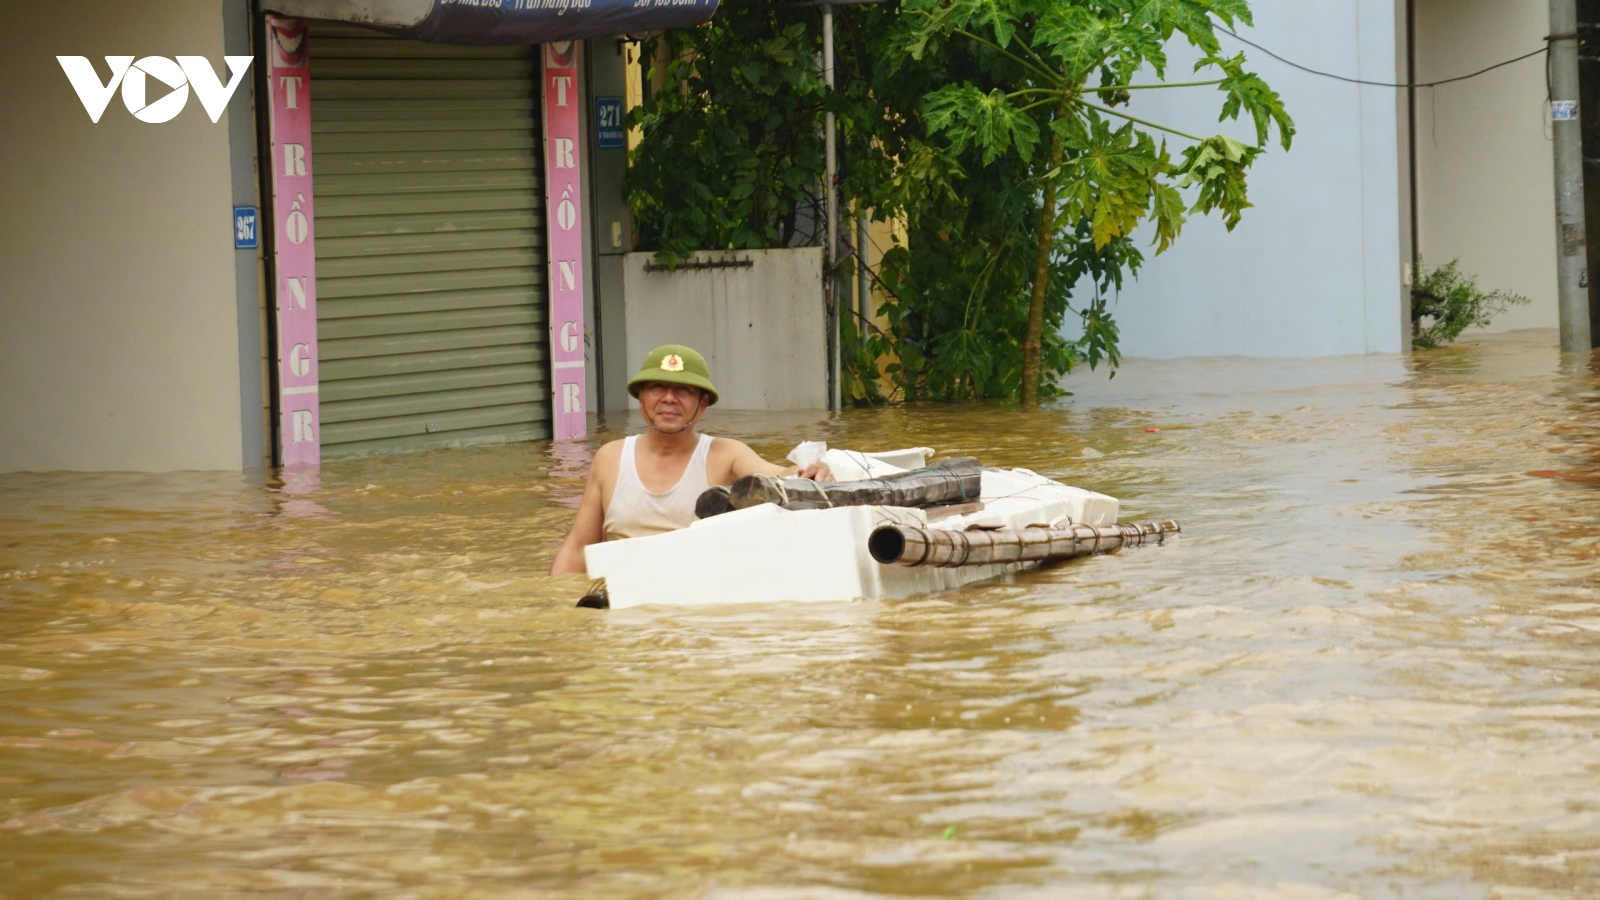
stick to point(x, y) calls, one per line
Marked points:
point(908, 545)
point(830, 178)
point(863, 277)
point(1571, 239)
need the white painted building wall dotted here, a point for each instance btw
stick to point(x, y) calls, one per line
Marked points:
point(120, 347)
point(1487, 189)
point(1315, 269)
point(762, 329)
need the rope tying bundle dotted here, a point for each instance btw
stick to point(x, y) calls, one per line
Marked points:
point(949, 481)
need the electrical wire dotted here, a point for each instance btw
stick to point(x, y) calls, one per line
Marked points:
point(1387, 84)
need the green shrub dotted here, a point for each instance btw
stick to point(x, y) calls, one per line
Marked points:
point(1452, 302)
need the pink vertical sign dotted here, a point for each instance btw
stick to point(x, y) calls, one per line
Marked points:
point(563, 205)
point(294, 241)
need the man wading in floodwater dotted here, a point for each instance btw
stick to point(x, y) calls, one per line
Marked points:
point(648, 483)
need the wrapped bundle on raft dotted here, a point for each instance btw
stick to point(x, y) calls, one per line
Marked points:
point(908, 545)
point(955, 480)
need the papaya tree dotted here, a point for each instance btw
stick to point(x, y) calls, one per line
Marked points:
point(1053, 108)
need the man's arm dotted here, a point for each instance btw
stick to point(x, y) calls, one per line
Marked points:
point(588, 528)
point(747, 462)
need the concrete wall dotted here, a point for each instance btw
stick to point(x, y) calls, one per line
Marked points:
point(120, 345)
point(1487, 190)
point(612, 232)
point(249, 270)
point(1316, 267)
point(761, 329)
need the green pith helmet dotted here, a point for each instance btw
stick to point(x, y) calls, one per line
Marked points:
point(674, 364)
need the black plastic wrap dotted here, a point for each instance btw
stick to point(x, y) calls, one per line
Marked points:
point(955, 480)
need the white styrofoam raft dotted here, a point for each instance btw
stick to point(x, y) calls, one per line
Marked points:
point(768, 554)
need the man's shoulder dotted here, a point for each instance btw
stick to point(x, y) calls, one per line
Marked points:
point(606, 459)
point(721, 446)
point(722, 458)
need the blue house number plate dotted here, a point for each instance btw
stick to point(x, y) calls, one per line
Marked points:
point(245, 234)
point(608, 124)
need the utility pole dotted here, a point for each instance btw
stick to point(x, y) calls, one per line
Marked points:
point(831, 178)
point(1566, 123)
point(831, 287)
point(1413, 266)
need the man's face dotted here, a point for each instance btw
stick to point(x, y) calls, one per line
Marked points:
point(671, 408)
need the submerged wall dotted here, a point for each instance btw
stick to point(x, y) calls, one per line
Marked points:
point(120, 344)
point(1315, 268)
point(761, 327)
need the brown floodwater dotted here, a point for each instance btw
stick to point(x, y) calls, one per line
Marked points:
point(1370, 667)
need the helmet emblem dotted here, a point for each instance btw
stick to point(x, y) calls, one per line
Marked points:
point(673, 363)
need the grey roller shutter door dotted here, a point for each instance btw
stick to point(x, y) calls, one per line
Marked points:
point(431, 269)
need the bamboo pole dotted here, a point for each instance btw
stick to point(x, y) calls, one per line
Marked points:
point(911, 546)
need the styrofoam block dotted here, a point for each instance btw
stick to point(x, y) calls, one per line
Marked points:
point(909, 458)
point(853, 465)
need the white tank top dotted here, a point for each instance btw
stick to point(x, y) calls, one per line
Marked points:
point(634, 511)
